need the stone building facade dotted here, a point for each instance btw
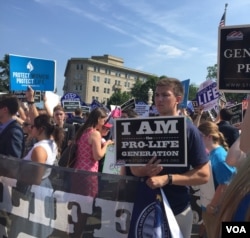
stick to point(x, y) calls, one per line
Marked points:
point(99, 77)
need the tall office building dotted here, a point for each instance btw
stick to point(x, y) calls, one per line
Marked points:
point(99, 77)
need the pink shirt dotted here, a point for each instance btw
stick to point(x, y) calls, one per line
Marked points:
point(84, 155)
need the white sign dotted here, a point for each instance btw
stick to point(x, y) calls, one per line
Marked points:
point(208, 95)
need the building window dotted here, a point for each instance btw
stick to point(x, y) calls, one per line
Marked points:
point(95, 89)
point(77, 67)
point(107, 80)
point(108, 90)
point(77, 76)
point(104, 90)
point(107, 71)
point(96, 69)
point(94, 98)
point(81, 67)
point(117, 82)
point(96, 78)
point(118, 74)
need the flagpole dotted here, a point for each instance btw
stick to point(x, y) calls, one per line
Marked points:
point(225, 12)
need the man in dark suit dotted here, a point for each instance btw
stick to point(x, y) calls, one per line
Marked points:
point(230, 132)
point(11, 133)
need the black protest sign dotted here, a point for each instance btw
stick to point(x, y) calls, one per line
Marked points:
point(21, 95)
point(195, 105)
point(234, 59)
point(237, 112)
point(70, 106)
point(140, 139)
point(129, 104)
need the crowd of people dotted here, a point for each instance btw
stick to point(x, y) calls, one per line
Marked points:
point(217, 152)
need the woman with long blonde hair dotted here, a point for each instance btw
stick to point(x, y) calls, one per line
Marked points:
point(236, 199)
point(222, 174)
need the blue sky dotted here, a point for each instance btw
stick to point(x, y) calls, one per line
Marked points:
point(177, 38)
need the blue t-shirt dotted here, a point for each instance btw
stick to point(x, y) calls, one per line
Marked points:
point(241, 212)
point(222, 172)
point(179, 196)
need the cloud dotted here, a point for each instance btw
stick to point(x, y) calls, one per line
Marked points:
point(170, 51)
point(45, 41)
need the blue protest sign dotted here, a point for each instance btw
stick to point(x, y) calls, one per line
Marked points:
point(185, 84)
point(70, 97)
point(37, 73)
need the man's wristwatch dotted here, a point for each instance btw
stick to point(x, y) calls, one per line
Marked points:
point(170, 179)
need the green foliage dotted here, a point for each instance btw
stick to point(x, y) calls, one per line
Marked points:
point(235, 97)
point(212, 72)
point(4, 74)
point(192, 91)
point(140, 89)
point(118, 98)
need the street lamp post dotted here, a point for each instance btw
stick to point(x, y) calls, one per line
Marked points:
point(150, 96)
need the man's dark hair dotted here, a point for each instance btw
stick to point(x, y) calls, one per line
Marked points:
point(225, 114)
point(130, 112)
point(11, 102)
point(78, 111)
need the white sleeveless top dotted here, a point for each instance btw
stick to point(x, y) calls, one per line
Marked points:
point(50, 147)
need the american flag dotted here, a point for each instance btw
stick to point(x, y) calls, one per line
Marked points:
point(222, 20)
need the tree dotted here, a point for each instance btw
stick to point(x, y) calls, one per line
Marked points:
point(192, 91)
point(140, 89)
point(4, 74)
point(212, 72)
point(118, 98)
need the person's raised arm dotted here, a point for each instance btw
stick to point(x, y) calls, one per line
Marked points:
point(197, 120)
point(46, 106)
point(245, 130)
point(99, 149)
point(30, 96)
